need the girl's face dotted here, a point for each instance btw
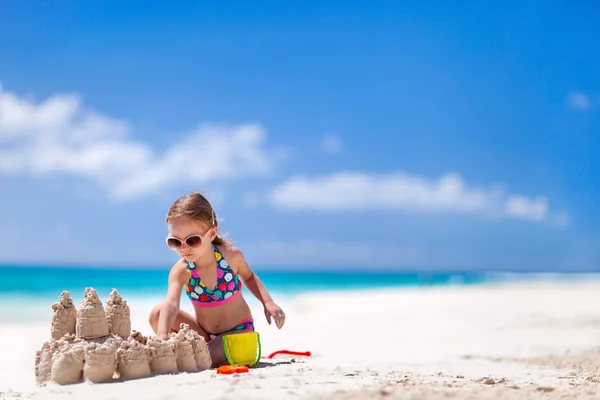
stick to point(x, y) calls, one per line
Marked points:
point(189, 238)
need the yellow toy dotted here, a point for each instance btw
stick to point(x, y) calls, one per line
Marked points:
point(242, 348)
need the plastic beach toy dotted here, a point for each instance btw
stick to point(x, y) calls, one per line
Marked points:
point(242, 348)
point(232, 369)
point(290, 352)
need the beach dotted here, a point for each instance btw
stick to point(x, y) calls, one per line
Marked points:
point(523, 340)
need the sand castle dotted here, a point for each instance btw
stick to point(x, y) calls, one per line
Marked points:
point(96, 344)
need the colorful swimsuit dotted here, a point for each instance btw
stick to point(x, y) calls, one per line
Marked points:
point(228, 287)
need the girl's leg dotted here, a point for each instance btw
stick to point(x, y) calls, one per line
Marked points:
point(182, 317)
point(215, 346)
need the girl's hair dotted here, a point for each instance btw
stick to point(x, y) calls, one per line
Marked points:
point(195, 206)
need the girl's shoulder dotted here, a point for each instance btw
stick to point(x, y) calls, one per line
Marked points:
point(230, 252)
point(233, 256)
point(181, 264)
point(180, 268)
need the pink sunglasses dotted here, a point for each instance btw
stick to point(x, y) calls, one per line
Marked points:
point(191, 241)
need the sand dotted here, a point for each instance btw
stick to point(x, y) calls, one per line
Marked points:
point(529, 341)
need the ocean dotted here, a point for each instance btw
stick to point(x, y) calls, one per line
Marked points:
point(27, 292)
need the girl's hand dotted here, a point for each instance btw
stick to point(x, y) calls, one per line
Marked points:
point(274, 311)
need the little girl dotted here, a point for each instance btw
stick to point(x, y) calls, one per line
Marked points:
point(212, 272)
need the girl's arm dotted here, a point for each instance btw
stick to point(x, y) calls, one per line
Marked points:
point(170, 307)
point(256, 287)
point(250, 279)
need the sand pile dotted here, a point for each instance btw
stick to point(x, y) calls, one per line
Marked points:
point(94, 345)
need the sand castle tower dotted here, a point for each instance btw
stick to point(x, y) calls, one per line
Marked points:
point(100, 362)
point(199, 347)
point(118, 315)
point(133, 359)
point(184, 352)
point(60, 361)
point(164, 360)
point(43, 362)
point(91, 318)
point(67, 363)
point(64, 316)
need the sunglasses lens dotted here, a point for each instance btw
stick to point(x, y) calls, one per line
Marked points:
point(193, 241)
point(173, 243)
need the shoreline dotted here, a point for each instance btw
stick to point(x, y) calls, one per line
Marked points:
point(296, 283)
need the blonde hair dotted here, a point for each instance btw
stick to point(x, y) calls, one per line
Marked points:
point(195, 206)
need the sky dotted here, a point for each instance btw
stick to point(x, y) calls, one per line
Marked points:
point(327, 135)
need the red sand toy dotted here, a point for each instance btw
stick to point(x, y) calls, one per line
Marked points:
point(232, 369)
point(293, 353)
point(236, 369)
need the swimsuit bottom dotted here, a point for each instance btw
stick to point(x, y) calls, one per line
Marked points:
point(245, 325)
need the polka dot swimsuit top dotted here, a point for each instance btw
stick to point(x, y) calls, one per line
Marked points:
point(228, 287)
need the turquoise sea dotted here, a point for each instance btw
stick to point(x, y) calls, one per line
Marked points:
point(34, 288)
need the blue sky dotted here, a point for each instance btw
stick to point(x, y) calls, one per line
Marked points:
point(375, 135)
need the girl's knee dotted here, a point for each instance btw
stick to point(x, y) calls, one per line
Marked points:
point(154, 314)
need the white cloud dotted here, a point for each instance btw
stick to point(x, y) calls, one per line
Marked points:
point(578, 100)
point(331, 143)
point(354, 191)
point(60, 136)
point(526, 208)
point(345, 191)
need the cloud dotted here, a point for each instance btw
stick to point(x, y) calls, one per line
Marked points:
point(526, 208)
point(60, 136)
point(578, 100)
point(356, 191)
point(331, 144)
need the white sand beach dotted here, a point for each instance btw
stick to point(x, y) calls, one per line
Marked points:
point(526, 341)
